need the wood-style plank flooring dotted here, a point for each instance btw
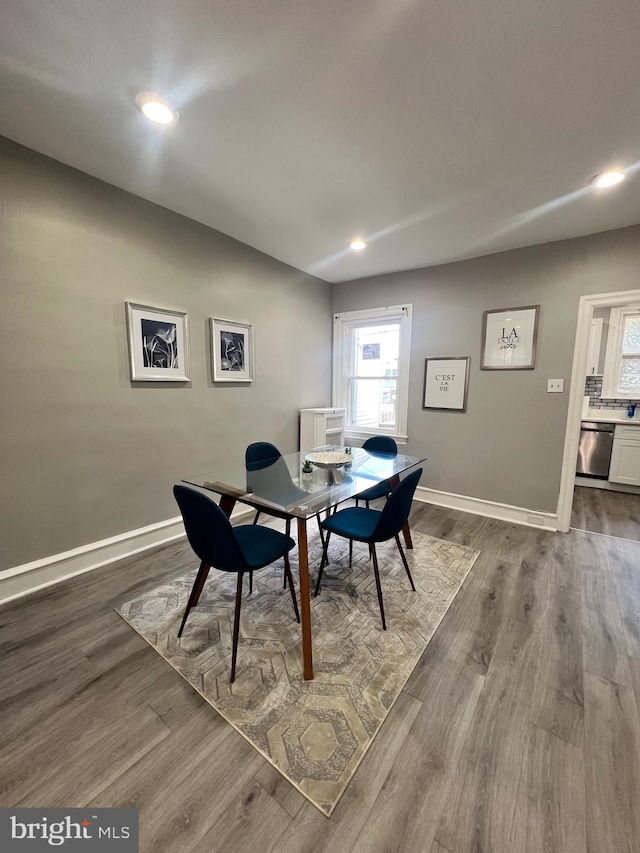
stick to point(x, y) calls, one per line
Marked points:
point(518, 731)
point(605, 511)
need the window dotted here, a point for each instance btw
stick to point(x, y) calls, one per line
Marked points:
point(621, 378)
point(371, 370)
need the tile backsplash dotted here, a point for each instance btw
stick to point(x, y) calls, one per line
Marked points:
point(593, 390)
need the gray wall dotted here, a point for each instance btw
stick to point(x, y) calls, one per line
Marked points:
point(86, 454)
point(508, 445)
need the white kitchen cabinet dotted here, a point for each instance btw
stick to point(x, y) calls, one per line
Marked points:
point(321, 426)
point(625, 456)
point(595, 342)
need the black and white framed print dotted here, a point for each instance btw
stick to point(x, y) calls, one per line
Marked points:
point(446, 383)
point(158, 344)
point(509, 338)
point(231, 351)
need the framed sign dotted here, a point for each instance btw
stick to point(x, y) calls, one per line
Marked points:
point(158, 344)
point(446, 382)
point(231, 351)
point(509, 338)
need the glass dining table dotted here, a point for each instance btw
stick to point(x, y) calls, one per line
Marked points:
point(280, 488)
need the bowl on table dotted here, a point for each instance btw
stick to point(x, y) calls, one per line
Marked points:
point(329, 458)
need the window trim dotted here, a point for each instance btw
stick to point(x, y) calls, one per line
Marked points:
point(342, 325)
point(614, 357)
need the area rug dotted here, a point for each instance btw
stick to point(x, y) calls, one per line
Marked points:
point(317, 732)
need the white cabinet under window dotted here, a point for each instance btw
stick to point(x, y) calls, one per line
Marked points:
point(625, 456)
point(321, 426)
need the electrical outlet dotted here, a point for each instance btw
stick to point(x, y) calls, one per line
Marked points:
point(555, 386)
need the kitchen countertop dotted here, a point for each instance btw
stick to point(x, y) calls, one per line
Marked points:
point(612, 416)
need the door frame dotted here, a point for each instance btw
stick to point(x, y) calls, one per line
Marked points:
point(578, 374)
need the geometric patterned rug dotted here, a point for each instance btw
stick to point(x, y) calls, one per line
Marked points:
point(317, 732)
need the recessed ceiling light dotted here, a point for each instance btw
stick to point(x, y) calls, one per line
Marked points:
point(609, 179)
point(358, 244)
point(156, 109)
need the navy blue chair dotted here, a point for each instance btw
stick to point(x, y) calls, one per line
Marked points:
point(371, 526)
point(219, 545)
point(386, 446)
point(268, 475)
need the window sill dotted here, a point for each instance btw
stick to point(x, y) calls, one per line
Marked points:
point(362, 434)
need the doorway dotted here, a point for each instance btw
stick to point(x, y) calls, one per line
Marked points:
point(583, 507)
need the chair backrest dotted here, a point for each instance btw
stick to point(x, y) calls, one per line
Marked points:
point(381, 444)
point(260, 454)
point(395, 512)
point(272, 480)
point(209, 531)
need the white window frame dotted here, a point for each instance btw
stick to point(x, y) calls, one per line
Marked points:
point(342, 325)
point(614, 357)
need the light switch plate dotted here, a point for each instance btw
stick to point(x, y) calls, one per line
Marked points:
point(555, 386)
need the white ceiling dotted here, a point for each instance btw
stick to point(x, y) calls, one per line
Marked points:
point(436, 129)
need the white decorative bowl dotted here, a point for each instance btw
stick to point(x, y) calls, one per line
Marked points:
point(329, 458)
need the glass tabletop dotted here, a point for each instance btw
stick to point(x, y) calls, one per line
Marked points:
point(281, 483)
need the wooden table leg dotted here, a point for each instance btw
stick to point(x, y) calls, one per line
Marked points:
point(227, 504)
point(406, 532)
point(305, 600)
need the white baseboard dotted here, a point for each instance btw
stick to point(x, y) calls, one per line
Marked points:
point(30, 577)
point(490, 509)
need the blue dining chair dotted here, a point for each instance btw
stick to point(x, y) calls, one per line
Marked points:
point(387, 446)
point(371, 526)
point(267, 471)
point(219, 545)
point(268, 476)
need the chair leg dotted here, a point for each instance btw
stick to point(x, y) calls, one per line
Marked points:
point(325, 551)
point(325, 559)
point(287, 572)
point(320, 525)
point(194, 597)
point(287, 531)
point(378, 587)
point(236, 629)
point(350, 551)
point(250, 582)
point(257, 516)
point(404, 561)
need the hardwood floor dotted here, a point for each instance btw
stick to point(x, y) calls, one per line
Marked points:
point(518, 730)
point(604, 511)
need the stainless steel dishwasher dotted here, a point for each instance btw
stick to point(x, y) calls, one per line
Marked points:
point(594, 449)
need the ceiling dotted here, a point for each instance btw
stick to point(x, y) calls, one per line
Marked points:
point(436, 130)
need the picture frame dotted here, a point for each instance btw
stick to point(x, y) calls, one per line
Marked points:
point(158, 344)
point(510, 338)
point(231, 350)
point(446, 383)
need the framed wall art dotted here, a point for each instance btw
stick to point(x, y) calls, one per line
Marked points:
point(446, 383)
point(231, 351)
point(158, 344)
point(509, 338)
